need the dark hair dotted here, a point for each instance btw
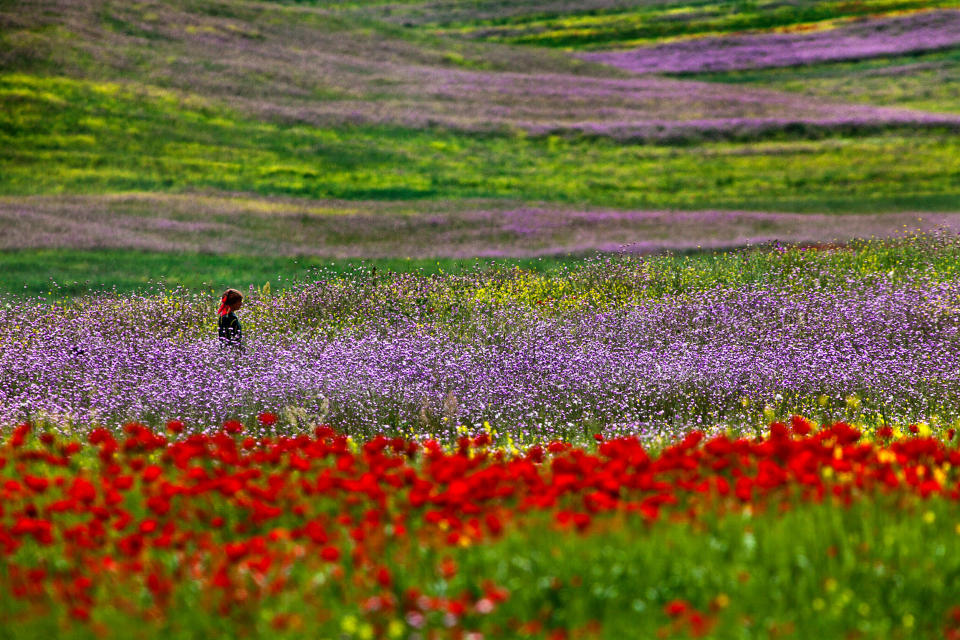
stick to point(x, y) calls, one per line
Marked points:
point(230, 298)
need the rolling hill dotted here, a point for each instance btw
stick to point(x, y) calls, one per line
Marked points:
point(452, 129)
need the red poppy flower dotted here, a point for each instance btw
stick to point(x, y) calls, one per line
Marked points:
point(267, 419)
point(330, 554)
point(676, 608)
point(800, 425)
point(233, 426)
point(36, 483)
point(80, 613)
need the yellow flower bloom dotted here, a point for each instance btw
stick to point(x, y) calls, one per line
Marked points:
point(395, 628)
point(348, 624)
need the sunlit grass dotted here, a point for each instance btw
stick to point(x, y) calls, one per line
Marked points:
point(566, 280)
point(621, 26)
point(570, 282)
point(928, 81)
point(59, 273)
point(70, 136)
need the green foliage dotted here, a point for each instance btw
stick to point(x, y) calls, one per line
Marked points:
point(571, 278)
point(565, 282)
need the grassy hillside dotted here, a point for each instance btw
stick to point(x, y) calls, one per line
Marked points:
point(927, 81)
point(77, 136)
point(373, 129)
point(622, 23)
point(68, 272)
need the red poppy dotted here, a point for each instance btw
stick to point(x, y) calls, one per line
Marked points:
point(330, 554)
point(266, 418)
point(676, 608)
point(233, 426)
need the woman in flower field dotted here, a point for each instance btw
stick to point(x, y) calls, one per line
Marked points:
point(229, 325)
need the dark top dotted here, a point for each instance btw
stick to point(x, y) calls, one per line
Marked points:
point(229, 331)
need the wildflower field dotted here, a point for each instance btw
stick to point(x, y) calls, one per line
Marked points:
point(805, 532)
point(561, 320)
point(624, 344)
point(743, 444)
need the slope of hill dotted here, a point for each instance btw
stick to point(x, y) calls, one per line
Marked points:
point(320, 67)
point(395, 112)
point(607, 24)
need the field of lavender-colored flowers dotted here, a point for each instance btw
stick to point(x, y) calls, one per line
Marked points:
point(460, 229)
point(317, 66)
point(596, 24)
point(153, 125)
point(614, 345)
point(870, 38)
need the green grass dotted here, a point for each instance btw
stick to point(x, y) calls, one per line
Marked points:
point(929, 81)
point(874, 570)
point(59, 273)
point(59, 135)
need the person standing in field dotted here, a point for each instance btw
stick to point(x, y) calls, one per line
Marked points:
point(229, 325)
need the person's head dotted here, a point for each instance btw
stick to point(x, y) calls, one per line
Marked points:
point(231, 301)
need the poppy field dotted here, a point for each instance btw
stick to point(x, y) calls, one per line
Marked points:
point(806, 531)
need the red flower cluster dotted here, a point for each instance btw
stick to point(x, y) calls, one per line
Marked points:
point(685, 618)
point(240, 514)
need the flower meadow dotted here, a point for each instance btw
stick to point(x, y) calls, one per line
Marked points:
point(806, 531)
point(425, 444)
point(626, 346)
point(612, 24)
point(909, 34)
point(748, 444)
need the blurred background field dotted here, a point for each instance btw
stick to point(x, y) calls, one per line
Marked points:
point(175, 140)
